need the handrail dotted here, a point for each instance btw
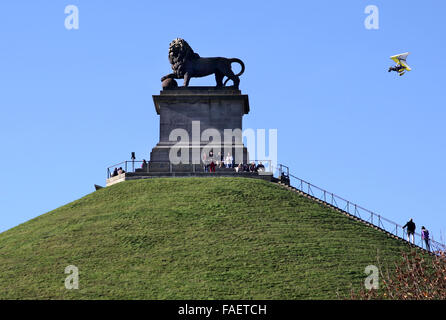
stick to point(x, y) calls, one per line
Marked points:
point(129, 165)
point(354, 209)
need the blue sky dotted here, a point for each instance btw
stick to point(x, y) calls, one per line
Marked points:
point(76, 101)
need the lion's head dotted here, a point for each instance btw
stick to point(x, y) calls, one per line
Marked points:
point(180, 52)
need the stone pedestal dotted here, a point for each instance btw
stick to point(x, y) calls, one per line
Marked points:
point(208, 117)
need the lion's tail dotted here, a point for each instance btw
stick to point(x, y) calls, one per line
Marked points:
point(241, 64)
point(241, 71)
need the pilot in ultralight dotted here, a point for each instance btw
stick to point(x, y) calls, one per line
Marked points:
point(401, 64)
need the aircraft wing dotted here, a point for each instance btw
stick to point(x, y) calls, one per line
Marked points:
point(398, 57)
point(405, 65)
point(401, 59)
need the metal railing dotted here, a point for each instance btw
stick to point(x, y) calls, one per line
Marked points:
point(354, 209)
point(127, 166)
point(140, 166)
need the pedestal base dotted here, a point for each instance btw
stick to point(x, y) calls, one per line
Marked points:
point(194, 120)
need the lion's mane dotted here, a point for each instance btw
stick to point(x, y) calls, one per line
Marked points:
point(179, 53)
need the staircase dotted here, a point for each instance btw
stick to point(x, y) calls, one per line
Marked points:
point(433, 244)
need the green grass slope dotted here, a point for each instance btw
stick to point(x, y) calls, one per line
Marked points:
point(191, 238)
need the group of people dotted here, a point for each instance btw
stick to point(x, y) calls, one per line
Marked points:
point(117, 171)
point(210, 162)
point(410, 225)
point(250, 167)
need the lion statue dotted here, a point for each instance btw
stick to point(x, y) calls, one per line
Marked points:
point(187, 64)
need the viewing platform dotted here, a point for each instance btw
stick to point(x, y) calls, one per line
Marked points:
point(134, 170)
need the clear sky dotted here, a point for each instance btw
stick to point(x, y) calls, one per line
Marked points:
point(76, 101)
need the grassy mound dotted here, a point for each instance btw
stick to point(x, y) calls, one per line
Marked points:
point(191, 238)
